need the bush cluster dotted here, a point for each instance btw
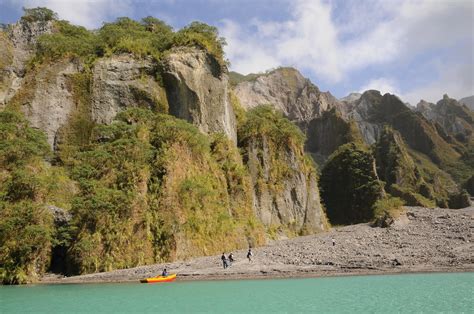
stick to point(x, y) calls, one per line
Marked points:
point(148, 181)
point(26, 183)
point(349, 185)
point(148, 37)
point(265, 121)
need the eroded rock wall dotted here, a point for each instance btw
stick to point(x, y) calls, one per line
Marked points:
point(197, 91)
point(18, 45)
point(289, 92)
point(455, 119)
point(121, 82)
point(285, 189)
point(48, 101)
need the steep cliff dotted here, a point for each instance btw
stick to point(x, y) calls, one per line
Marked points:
point(350, 186)
point(286, 196)
point(401, 175)
point(28, 184)
point(197, 91)
point(319, 114)
point(455, 119)
point(287, 91)
point(124, 81)
point(327, 132)
point(373, 110)
point(360, 111)
point(154, 185)
point(46, 97)
point(440, 147)
point(141, 130)
point(18, 46)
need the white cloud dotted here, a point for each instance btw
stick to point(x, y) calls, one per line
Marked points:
point(318, 41)
point(88, 13)
point(307, 37)
point(456, 81)
point(246, 55)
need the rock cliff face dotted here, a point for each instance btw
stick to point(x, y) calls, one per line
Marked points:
point(288, 91)
point(197, 91)
point(438, 137)
point(352, 97)
point(373, 110)
point(401, 175)
point(286, 194)
point(188, 83)
point(326, 133)
point(19, 41)
point(394, 165)
point(361, 112)
point(48, 100)
point(292, 203)
point(454, 118)
point(122, 82)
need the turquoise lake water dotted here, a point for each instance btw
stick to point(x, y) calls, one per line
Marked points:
point(360, 294)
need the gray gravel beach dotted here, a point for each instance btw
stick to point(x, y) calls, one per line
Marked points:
point(422, 240)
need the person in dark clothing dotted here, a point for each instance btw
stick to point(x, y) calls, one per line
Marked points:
point(164, 273)
point(249, 255)
point(224, 260)
point(231, 258)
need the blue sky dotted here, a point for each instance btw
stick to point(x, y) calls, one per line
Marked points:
point(413, 48)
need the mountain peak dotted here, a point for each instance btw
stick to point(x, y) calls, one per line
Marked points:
point(354, 96)
point(288, 91)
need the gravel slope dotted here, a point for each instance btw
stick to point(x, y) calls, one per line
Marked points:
point(423, 240)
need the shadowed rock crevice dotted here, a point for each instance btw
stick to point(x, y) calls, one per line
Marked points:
point(183, 102)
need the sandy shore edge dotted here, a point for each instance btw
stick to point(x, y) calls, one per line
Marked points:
point(422, 241)
point(230, 277)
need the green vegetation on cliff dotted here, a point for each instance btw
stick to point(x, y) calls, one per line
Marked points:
point(264, 128)
point(153, 188)
point(394, 165)
point(147, 188)
point(265, 121)
point(6, 53)
point(349, 185)
point(328, 132)
point(148, 37)
point(421, 135)
point(39, 14)
point(399, 172)
point(284, 178)
point(27, 184)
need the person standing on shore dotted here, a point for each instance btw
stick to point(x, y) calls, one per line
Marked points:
point(333, 242)
point(231, 259)
point(249, 255)
point(224, 260)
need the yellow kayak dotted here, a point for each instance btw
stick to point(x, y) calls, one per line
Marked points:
point(157, 279)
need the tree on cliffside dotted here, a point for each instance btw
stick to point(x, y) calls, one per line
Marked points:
point(27, 184)
point(349, 185)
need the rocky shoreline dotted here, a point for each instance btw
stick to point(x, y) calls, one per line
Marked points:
point(422, 240)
